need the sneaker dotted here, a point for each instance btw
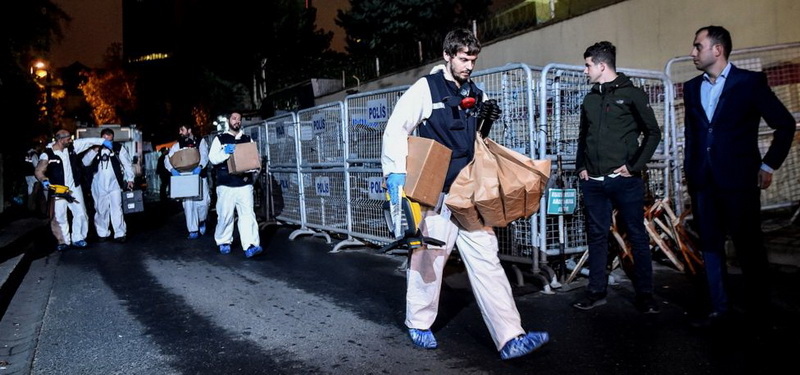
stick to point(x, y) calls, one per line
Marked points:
point(202, 228)
point(225, 248)
point(423, 338)
point(62, 247)
point(646, 304)
point(524, 344)
point(80, 243)
point(252, 251)
point(193, 235)
point(122, 239)
point(588, 303)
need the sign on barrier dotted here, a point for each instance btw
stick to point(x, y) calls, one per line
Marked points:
point(376, 190)
point(561, 201)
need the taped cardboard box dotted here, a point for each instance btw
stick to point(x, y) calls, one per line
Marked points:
point(245, 158)
point(426, 169)
point(185, 159)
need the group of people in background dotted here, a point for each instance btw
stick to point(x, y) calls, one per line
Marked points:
point(618, 136)
point(62, 169)
point(234, 192)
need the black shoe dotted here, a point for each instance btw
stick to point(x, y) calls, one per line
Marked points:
point(589, 302)
point(646, 304)
point(121, 239)
point(102, 239)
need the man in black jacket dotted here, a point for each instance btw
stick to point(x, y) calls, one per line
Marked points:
point(610, 162)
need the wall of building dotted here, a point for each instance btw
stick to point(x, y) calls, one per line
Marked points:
point(647, 33)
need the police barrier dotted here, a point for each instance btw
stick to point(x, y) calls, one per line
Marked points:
point(779, 63)
point(284, 169)
point(322, 149)
point(562, 88)
point(262, 196)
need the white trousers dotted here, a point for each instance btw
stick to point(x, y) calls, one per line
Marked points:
point(60, 223)
point(196, 210)
point(239, 199)
point(108, 210)
point(30, 180)
point(478, 250)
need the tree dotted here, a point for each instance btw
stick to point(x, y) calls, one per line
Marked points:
point(111, 92)
point(393, 30)
point(43, 22)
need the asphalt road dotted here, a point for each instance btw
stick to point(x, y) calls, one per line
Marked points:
point(162, 304)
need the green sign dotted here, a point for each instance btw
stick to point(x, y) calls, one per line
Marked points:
point(561, 201)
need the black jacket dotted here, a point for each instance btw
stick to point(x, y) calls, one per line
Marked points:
point(613, 116)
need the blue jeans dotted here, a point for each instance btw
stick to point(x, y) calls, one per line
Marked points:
point(626, 194)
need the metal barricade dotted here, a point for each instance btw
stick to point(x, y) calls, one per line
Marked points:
point(258, 133)
point(284, 169)
point(779, 63)
point(514, 87)
point(562, 89)
point(322, 150)
point(367, 114)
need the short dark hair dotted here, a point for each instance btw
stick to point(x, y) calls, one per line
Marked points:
point(188, 127)
point(718, 35)
point(459, 39)
point(106, 131)
point(604, 52)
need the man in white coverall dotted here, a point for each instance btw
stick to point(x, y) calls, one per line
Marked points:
point(59, 164)
point(234, 191)
point(434, 103)
point(113, 172)
point(195, 209)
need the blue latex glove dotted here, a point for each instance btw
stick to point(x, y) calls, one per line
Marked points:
point(46, 184)
point(229, 148)
point(108, 144)
point(393, 182)
point(197, 170)
point(175, 172)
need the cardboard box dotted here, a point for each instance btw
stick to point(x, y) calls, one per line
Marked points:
point(426, 169)
point(245, 158)
point(185, 186)
point(185, 159)
point(132, 202)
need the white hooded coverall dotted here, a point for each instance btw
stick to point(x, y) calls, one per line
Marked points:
point(195, 209)
point(107, 193)
point(478, 249)
point(229, 198)
point(80, 222)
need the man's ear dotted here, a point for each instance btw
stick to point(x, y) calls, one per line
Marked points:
point(446, 57)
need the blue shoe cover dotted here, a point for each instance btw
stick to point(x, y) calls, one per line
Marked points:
point(423, 338)
point(202, 228)
point(252, 251)
point(193, 235)
point(524, 344)
point(80, 243)
point(225, 248)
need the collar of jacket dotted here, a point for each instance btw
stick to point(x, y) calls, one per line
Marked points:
point(621, 81)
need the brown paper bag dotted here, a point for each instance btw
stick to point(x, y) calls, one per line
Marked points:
point(487, 197)
point(459, 200)
point(515, 170)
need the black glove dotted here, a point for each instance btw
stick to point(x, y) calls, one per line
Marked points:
point(487, 114)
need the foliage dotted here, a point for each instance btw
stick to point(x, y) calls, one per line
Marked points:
point(377, 28)
point(42, 24)
point(111, 92)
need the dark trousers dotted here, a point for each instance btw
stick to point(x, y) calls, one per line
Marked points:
point(626, 194)
point(719, 213)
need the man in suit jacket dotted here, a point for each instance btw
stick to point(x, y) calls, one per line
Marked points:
point(724, 168)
